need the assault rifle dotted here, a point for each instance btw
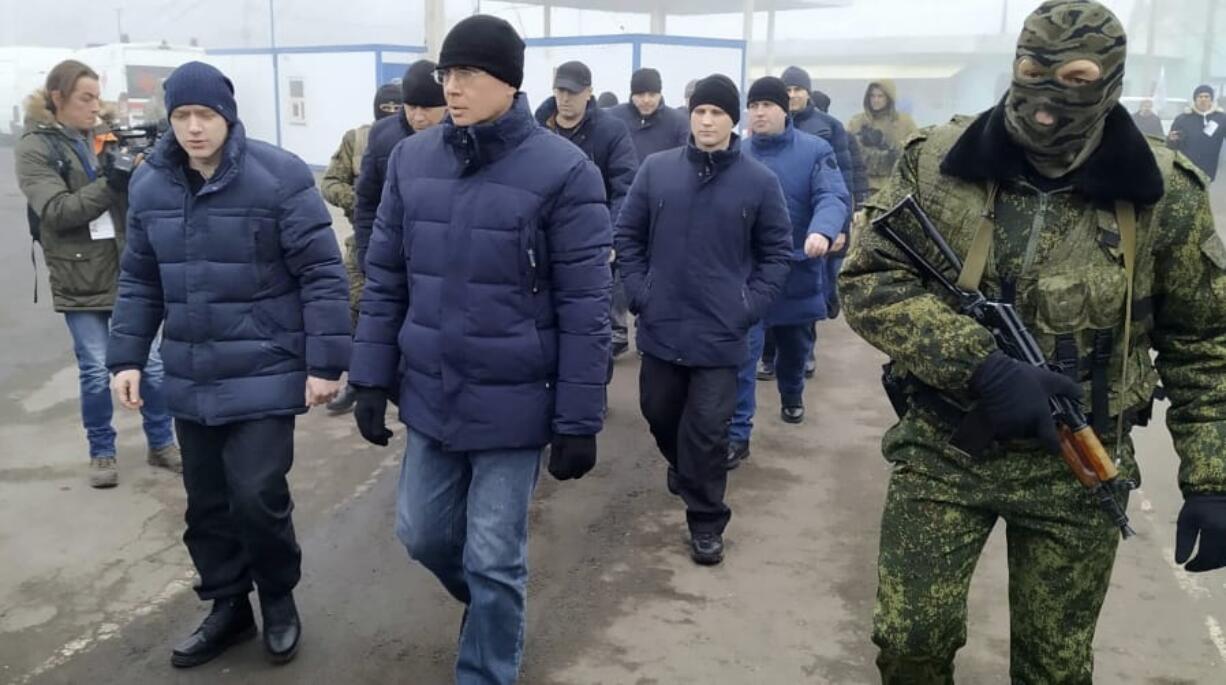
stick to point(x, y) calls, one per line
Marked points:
point(1079, 445)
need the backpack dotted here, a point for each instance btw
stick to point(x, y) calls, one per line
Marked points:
point(62, 168)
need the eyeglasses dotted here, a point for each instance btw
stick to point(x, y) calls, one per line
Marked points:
point(462, 75)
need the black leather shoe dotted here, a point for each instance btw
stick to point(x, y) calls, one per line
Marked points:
point(792, 414)
point(707, 549)
point(674, 479)
point(619, 349)
point(228, 623)
point(810, 367)
point(766, 372)
point(737, 453)
point(282, 629)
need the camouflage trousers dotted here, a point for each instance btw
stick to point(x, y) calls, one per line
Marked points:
point(357, 280)
point(941, 506)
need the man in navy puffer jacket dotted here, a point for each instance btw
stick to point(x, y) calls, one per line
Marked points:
point(819, 206)
point(704, 246)
point(231, 249)
point(500, 230)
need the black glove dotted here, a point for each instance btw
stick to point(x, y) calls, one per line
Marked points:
point(116, 177)
point(572, 456)
point(370, 412)
point(1013, 397)
point(1203, 515)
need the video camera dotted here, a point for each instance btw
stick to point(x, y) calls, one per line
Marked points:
point(131, 142)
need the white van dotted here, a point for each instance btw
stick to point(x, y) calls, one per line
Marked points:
point(130, 73)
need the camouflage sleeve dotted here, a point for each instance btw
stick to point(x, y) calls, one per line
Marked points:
point(889, 305)
point(1190, 332)
point(337, 182)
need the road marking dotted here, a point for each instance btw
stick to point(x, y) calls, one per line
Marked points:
point(173, 589)
point(1215, 634)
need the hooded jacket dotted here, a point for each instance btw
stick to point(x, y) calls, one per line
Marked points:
point(881, 134)
point(83, 272)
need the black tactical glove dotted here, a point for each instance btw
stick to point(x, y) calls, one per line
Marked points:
point(370, 412)
point(1013, 397)
point(117, 178)
point(572, 456)
point(1203, 515)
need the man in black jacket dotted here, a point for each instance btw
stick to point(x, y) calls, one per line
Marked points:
point(704, 243)
point(653, 125)
point(424, 106)
point(572, 113)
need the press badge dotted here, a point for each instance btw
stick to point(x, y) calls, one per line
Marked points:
point(1210, 128)
point(102, 228)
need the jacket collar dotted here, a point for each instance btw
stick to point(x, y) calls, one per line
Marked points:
point(1122, 168)
point(650, 118)
point(710, 164)
point(549, 109)
point(483, 144)
point(170, 156)
point(773, 143)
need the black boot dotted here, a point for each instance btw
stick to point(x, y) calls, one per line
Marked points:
point(793, 414)
point(282, 629)
point(707, 549)
point(229, 623)
point(737, 453)
point(674, 481)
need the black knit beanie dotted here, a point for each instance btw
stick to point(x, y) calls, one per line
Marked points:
point(795, 77)
point(197, 83)
point(418, 87)
point(769, 89)
point(487, 43)
point(646, 80)
point(718, 90)
point(1202, 89)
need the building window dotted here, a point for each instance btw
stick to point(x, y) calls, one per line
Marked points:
point(297, 102)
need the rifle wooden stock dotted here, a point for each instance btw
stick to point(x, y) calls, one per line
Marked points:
point(1086, 457)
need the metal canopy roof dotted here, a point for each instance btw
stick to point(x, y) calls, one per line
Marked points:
point(679, 7)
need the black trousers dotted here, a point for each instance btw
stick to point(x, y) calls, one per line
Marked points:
point(239, 528)
point(689, 410)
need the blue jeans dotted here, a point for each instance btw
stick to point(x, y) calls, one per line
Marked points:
point(792, 346)
point(90, 331)
point(464, 516)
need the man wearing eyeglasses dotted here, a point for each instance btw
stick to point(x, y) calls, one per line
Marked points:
point(499, 229)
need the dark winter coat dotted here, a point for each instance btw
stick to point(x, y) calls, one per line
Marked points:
point(501, 233)
point(606, 141)
point(1205, 150)
point(244, 276)
point(665, 129)
point(384, 135)
point(703, 248)
point(818, 202)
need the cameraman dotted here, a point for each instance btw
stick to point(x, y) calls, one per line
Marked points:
point(77, 212)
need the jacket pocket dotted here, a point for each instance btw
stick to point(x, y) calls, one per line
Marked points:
point(276, 337)
point(85, 270)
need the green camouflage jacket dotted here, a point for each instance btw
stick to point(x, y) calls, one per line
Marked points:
point(1061, 250)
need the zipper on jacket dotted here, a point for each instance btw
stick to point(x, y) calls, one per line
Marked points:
point(532, 269)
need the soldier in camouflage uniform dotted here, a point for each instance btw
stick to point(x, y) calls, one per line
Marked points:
point(1056, 154)
point(337, 187)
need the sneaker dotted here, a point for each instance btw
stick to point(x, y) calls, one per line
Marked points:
point(737, 453)
point(620, 348)
point(344, 401)
point(103, 473)
point(766, 372)
point(707, 549)
point(167, 457)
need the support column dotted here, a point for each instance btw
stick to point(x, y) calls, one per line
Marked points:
point(770, 42)
point(547, 9)
point(659, 22)
point(747, 33)
point(436, 29)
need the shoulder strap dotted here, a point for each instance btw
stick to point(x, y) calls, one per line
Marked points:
point(1126, 217)
point(977, 257)
point(62, 165)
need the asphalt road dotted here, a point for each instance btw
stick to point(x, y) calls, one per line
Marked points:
point(95, 585)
